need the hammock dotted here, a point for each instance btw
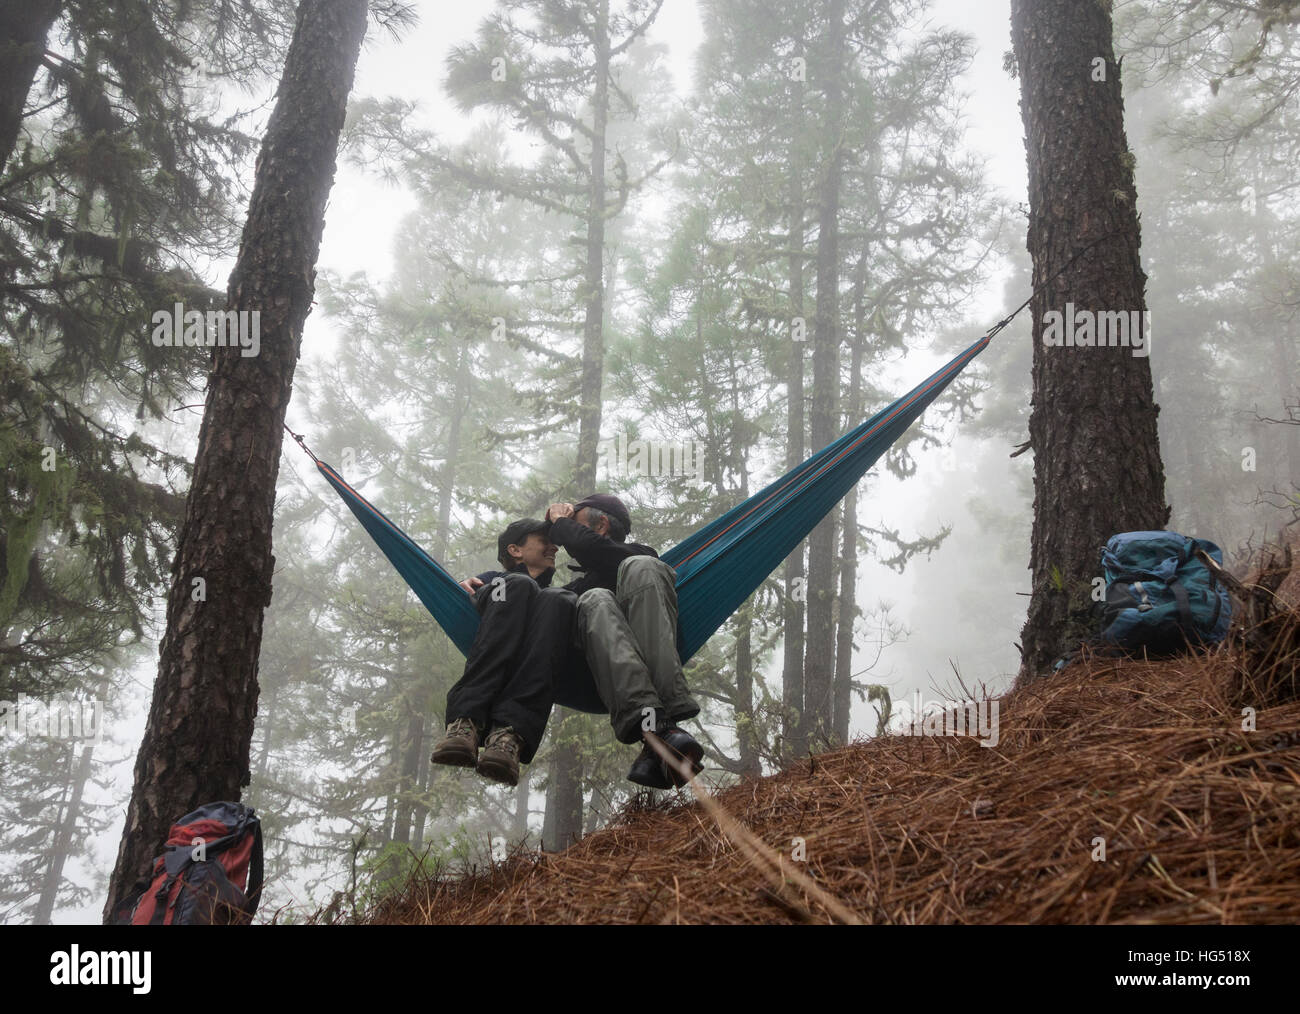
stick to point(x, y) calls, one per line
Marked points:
point(720, 565)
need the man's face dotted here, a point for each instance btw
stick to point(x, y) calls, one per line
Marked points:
point(537, 552)
point(583, 517)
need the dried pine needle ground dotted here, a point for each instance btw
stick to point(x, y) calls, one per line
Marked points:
point(1145, 763)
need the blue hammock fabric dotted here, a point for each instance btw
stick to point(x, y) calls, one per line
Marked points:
point(441, 594)
point(719, 566)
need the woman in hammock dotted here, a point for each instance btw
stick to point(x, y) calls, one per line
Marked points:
point(505, 692)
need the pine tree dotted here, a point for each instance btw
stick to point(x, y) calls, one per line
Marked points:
point(694, 374)
point(565, 87)
point(1097, 464)
point(1217, 159)
point(795, 136)
point(196, 745)
point(112, 171)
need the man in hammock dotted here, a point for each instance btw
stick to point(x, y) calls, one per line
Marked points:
point(505, 692)
point(625, 635)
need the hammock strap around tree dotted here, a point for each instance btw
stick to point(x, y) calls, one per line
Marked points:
point(719, 566)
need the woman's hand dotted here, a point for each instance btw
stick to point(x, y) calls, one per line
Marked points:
point(471, 585)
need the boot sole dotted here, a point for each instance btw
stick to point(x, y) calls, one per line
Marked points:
point(497, 772)
point(455, 757)
point(652, 782)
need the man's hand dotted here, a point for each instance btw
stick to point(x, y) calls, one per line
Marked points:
point(559, 510)
point(471, 585)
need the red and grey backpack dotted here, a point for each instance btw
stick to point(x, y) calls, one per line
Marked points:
point(210, 874)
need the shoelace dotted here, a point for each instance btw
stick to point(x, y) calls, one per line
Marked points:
point(504, 739)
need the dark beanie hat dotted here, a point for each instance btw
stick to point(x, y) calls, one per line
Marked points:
point(610, 504)
point(515, 535)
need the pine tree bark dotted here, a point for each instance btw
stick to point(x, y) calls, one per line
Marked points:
point(1287, 452)
point(1092, 426)
point(390, 778)
point(411, 737)
point(792, 610)
point(746, 740)
point(413, 746)
point(843, 702)
point(421, 810)
point(521, 807)
point(593, 338)
point(564, 795)
point(446, 490)
point(563, 825)
point(196, 743)
point(63, 839)
point(820, 658)
point(24, 31)
point(268, 722)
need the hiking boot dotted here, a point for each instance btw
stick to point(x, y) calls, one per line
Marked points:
point(682, 744)
point(500, 760)
point(648, 770)
point(459, 746)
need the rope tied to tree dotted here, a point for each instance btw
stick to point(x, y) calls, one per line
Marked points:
point(1041, 285)
point(301, 442)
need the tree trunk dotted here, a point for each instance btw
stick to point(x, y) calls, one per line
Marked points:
point(593, 342)
point(820, 658)
point(792, 675)
point(548, 814)
point(24, 28)
point(1097, 466)
point(564, 795)
point(268, 720)
point(412, 740)
point(843, 704)
point(63, 839)
point(390, 778)
point(746, 741)
point(421, 811)
point(1268, 231)
point(521, 808)
point(196, 743)
point(1284, 360)
point(446, 490)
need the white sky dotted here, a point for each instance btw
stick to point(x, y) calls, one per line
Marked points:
point(363, 213)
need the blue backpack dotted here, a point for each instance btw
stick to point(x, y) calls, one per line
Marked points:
point(1160, 597)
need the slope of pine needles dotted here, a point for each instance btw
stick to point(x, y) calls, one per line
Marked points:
point(1119, 791)
point(1200, 821)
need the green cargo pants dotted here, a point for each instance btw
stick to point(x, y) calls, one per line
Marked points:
point(629, 638)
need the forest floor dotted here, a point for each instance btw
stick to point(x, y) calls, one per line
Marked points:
point(1119, 791)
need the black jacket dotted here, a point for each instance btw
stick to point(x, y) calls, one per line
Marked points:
point(543, 579)
point(598, 556)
